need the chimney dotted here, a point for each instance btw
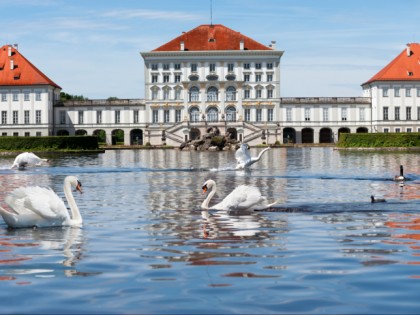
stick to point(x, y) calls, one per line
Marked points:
point(9, 52)
point(408, 50)
point(273, 44)
point(12, 65)
point(182, 46)
point(241, 45)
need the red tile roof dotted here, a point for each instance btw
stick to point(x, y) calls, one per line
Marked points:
point(211, 37)
point(405, 67)
point(23, 72)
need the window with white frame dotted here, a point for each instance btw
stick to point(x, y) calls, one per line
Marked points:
point(194, 114)
point(166, 66)
point(165, 78)
point(26, 117)
point(247, 94)
point(385, 92)
point(193, 67)
point(27, 134)
point(155, 116)
point(26, 96)
point(15, 116)
point(154, 78)
point(269, 66)
point(259, 115)
point(177, 94)
point(117, 117)
point(407, 92)
point(4, 117)
point(385, 113)
point(258, 66)
point(270, 93)
point(38, 134)
point(397, 92)
point(230, 67)
point(62, 117)
point(136, 116)
point(247, 114)
point(231, 93)
point(194, 94)
point(246, 77)
point(166, 116)
point(38, 116)
point(269, 77)
point(154, 66)
point(386, 130)
point(3, 97)
point(397, 113)
point(212, 114)
point(15, 97)
point(212, 94)
point(212, 67)
point(397, 130)
point(177, 115)
point(258, 77)
point(307, 114)
point(362, 115)
point(344, 114)
point(418, 92)
point(81, 121)
point(247, 66)
point(99, 117)
point(288, 114)
point(270, 114)
point(258, 93)
point(409, 130)
point(231, 113)
point(177, 66)
point(408, 113)
point(177, 78)
point(166, 94)
point(325, 116)
point(154, 94)
point(37, 96)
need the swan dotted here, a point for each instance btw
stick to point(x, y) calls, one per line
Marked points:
point(242, 198)
point(244, 159)
point(401, 176)
point(42, 207)
point(27, 158)
point(373, 199)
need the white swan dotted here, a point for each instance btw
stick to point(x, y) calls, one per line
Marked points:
point(243, 157)
point(42, 207)
point(242, 198)
point(401, 176)
point(27, 158)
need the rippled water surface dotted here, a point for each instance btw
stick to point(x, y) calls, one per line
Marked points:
point(146, 247)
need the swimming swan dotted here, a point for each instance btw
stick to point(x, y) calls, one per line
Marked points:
point(243, 157)
point(42, 207)
point(401, 176)
point(27, 158)
point(241, 198)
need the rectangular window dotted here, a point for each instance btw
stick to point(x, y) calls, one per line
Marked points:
point(247, 66)
point(178, 94)
point(397, 130)
point(166, 115)
point(166, 66)
point(230, 67)
point(27, 134)
point(212, 67)
point(38, 116)
point(26, 117)
point(62, 117)
point(26, 96)
point(344, 114)
point(418, 92)
point(80, 117)
point(166, 78)
point(154, 66)
point(397, 92)
point(193, 67)
point(4, 117)
point(3, 97)
point(408, 113)
point(258, 77)
point(38, 134)
point(362, 115)
point(397, 113)
point(247, 94)
point(37, 96)
point(247, 114)
point(258, 66)
point(259, 93)
point(385, 92)
point(385, 113)
point(386, 130)
point(117, 116)
point(15, 117)
point(99, 117)
point(177, 115)
point(177, 78)
point(269, 66)
point(269, 77)
point(408, 92)
point(155, 116)
point(166, 94)
point(325, 114)
point(409, 130)
point(288, 114)
point(135, 116)
point(270, 114)
point(307, 114)
point(269, 93)
point(246, 77)
point(15, 97)
point(154, 78)
point(177, 66)
point(154, 94)
point(259, 114)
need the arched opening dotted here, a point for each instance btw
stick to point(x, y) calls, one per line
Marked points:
point(307, 135)
point(231, 113)
point(212, 114)
point(101, 134)
point(325, 135)
point(233, 133)
point(62, 132)
point(194, 134)
point(289, 135)
point(231, 93)
point(136, 137)
point(117, 136)
point(81, 132)
point(194, 94)
point(343, 130)
point(362, 130)
point(194, 114)
point(212, 94)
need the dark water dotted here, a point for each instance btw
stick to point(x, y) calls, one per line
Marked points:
point(145, 246)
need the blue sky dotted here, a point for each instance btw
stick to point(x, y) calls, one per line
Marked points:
point(92, 47)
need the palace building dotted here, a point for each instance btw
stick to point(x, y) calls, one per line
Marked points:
point(211, 76)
